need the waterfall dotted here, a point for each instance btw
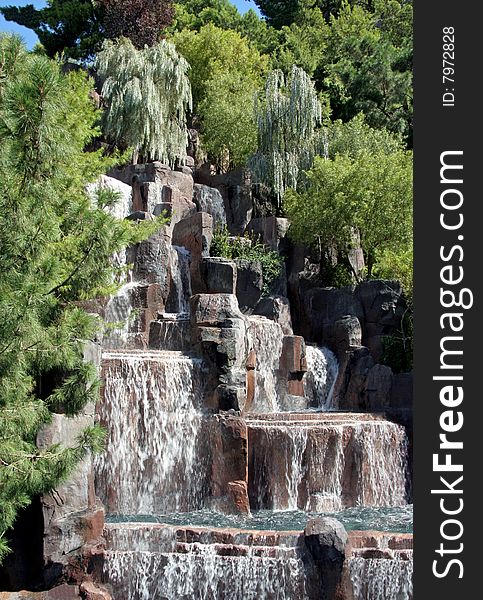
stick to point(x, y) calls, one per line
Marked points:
point(381, 579)
point(170, 332)
point(319, 381)
point(316, 463)
point(266, 338)
point(149, 562)
point(153, 461)
point(180, 287)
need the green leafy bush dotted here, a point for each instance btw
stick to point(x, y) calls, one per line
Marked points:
point(248, 248)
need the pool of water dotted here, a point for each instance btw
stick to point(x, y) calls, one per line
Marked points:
point(396, 519)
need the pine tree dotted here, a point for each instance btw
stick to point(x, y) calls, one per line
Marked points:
point(148, 94)
point(55, 245)
point(289, 116)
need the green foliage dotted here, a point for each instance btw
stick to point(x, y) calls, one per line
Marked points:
point(251, 249)
point(282, 13)
point(55, 244)
point(225, 74)
point(367, 67)
point(370, 195)
point(194, 14)
point(302, 43)
point(73, 27)
point(398, 348)
point(148, 94)
point(229, 134)
point(213, 51)
point(289, 115)
point(356, 137)
point(279, 12)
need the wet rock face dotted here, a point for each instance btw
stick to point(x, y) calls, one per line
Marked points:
point(195, 234)
point(326, 539)
point(230, 466)
point(219, 333)
point(276, 308)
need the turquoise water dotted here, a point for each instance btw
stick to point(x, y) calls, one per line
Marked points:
point(396, 519)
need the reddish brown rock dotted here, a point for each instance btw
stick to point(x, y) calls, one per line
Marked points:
point(230, 464)
point(195, 234)
point(91, 591)
point(238, 491)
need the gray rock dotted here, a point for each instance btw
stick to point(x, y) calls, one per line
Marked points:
point(272, 231)
point(249, 284)
point(347, 333)
point(236, 190)
point(124, 204)
point(219, 275)
point(326, 539)
point(276, 308)
point(214, 309)
point(209, 200)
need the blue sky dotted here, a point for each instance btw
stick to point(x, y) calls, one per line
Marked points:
point(30, 38)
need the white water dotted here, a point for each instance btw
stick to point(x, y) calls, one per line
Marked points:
point(154, 460)
point(381, 579)
point(201, 574)
point(324, 466)
point(180, 291)
point(319, 381)
point(266, 338)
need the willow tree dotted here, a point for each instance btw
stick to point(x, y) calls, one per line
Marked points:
point(148, 94)
point(289, 118)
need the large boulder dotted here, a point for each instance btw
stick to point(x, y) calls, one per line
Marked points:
point(249, 284)
point(384, 306)
point(195, 234)
point(276, 308)
point(236, 189)
point(156, 188)
point(364, 384)
point(124, 204)
point(219, 334)
point(219, 275)
point(326, 539)
point(272, 231)
point(347, 334)
point(210, 200)
point(323, 307)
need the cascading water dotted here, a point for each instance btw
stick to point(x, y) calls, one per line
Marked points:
point(319, 381)
point(153, 462)
point(266, 338)
point(170, 569)
point(381, 579)
point(180, 282)
point(316, 463)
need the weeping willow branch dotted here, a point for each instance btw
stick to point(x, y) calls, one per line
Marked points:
point(148, 94)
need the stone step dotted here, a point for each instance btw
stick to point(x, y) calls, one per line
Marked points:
point(158, 537)
point(320, 417)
